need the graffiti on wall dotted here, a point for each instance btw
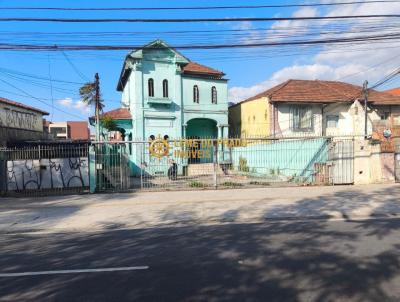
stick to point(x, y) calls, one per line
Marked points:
point(54, 173)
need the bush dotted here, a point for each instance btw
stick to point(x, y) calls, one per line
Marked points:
point(196, 184)
point(243, 164)
point(260, 183)
point(231, 184)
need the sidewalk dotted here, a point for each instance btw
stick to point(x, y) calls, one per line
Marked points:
point(102, 212)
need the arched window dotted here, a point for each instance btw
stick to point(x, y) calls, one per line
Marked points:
point(165, 88)
point(214, 95)
point(151, 87)
point(196, 96)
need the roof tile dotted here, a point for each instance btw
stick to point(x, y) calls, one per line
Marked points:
point(193, 67)
point(317, 91)
point(118, 114)
point(395, 91)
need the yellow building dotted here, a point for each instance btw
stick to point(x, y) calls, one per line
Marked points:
point(250, 118)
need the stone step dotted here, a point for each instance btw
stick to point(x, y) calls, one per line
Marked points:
point(202, 169)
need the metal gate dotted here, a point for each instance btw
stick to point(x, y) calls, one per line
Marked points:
point(111, 167)
point(397, 159)
point(341, 159)
point(176, 170)
point(234, 163)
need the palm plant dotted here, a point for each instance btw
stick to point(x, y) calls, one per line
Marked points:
point(90, 95)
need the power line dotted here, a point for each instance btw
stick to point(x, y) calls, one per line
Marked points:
point(10, 71)
point(51, 90)
point(192, 7)
point(83, 77)
point(386, 78)
point(370, 68)
point(130, 33)
point(362, 39)
point(241, 19)
point(38, 99)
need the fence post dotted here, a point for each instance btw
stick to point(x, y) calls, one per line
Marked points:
point(121, 148)
point(216, 165)
point(141, 147)
point(92, 168)
point(3, 172)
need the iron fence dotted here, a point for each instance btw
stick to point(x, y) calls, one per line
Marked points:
point(176, 164)
point(224, 163)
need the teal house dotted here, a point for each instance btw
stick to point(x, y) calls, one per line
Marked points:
point(166, 95)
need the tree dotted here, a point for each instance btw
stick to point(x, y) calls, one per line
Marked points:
point(90, 95)
point(108, 123)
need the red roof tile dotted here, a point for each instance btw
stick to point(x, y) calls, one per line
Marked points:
point(193, 67)
point(395, 91)
point(20, 105)
point(118, 114)
point(316, 91)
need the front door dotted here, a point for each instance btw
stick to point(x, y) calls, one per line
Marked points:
point(194, 149)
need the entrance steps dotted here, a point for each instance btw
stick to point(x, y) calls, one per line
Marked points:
point(203, 169)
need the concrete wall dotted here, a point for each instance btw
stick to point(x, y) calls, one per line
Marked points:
point(20, 118)
point(19, 124)
point(344, 113)
point(10, 135)
point(371, 165)
point(78, 130)
point(250, 119)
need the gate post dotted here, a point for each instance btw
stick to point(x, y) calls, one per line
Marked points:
point(397, 159)
point(92, 169)
point(3, 172)
point(216, 165)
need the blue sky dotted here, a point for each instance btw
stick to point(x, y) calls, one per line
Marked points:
point(249, 70)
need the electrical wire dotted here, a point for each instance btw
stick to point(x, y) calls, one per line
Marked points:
point(361, 39)
point(194, 7)
point(191, 20)
point(51, 91)
point(82, 76)
point(38, 99)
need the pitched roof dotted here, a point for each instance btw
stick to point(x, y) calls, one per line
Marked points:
point(317, 91)
point(20, 105)
point(395, 91)
point(118, 114)
point(196, 68)
point(189, 67)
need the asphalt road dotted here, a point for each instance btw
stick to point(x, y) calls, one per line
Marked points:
point(274, 261)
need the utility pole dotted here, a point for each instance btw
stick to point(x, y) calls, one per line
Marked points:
point(365, 92)
point(97, 103)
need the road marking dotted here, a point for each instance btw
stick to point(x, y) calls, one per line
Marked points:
point(75, 271)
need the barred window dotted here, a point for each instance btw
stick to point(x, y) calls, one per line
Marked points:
point(196, 96)
point(165, 88)
point(151, 87)
point(302, 118)
point(214, 95)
